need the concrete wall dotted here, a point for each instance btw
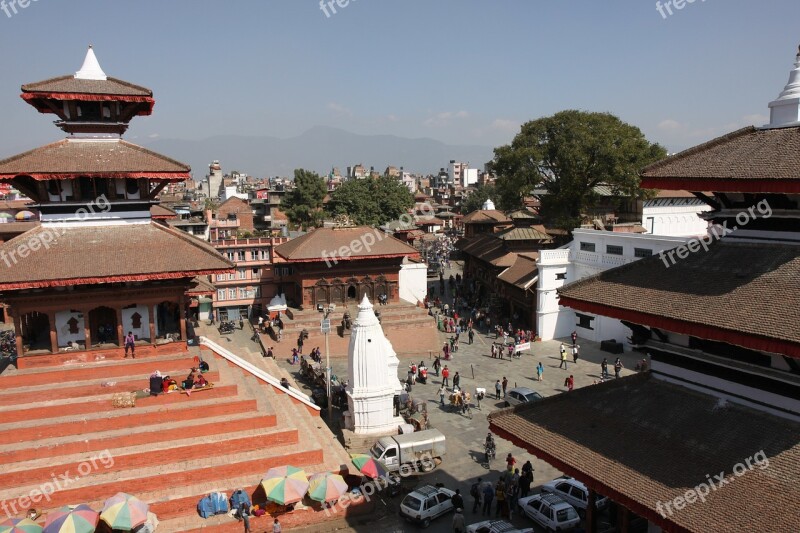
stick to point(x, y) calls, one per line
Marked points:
point(143, 331)
point(64, 336)
point(413, 282)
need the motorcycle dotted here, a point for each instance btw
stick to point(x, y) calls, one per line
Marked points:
point(227, 326)
point(490, 450)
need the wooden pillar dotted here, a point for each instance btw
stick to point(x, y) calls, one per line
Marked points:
point(182, 316)
point(120, 332)
point(18, 333)
point(87, 328)
point(153, 323)
point(591, 512)
point(623, 519)
point(51, 318)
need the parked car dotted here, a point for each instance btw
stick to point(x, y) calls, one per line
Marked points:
point(550, 512)
point(574, 493)
point(520, 395)
point(496, 526)
point(426, 503)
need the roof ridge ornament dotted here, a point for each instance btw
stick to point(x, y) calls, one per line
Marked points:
point(90, 70)
point(785, 110)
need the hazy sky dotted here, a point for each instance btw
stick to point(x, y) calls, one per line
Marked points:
point(460, 71)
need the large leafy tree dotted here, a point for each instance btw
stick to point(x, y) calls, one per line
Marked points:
point(303, 204)
point(371, 201)
point(568, 154)
point(476, 200)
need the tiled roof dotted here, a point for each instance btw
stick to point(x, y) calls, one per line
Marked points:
point(71, 158)
point(202, 287)
point(532, 233)
point(362, 242)
point(102, 254)
point(70, 84)
point(485, 216)
point(162, 211)
point(733, 289)
point(522, 214)
point(641, 441)
point(488, 248)
point(768, 156)
point(522, 272)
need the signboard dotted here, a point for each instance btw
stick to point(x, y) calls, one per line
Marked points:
point(325, 326)
point(522, 347)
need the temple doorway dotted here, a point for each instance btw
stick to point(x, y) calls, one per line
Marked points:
point(103, 326)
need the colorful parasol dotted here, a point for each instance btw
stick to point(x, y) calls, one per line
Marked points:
point(286, 484)
point(6, 216)
point(19, 525)
point(81, 519)
point(368, 466)
point(123, 511)
point(24, 215)
point(326, 487)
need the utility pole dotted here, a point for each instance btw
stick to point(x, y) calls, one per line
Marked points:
point(326, 328)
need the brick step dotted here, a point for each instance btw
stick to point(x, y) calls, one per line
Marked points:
point(129, 419)
point(49, 452)
point(155, 458)
point(51, 393)
point(94, 406)
point(114, 369)
point(115, 353)
point(169, 482)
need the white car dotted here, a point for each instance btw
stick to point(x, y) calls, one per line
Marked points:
point(496, 526)
point(550, 512)
point(574, 493)
point(520, 395)
point(426, 503)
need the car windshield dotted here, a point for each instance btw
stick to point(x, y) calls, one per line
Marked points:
point(532, 397)
point(377, 451)
point(412, 503)
point(566, 514)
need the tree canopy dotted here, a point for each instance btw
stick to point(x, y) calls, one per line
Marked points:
point(476, 200)
point(303, 204)
point(568, 155)
point(371, 201)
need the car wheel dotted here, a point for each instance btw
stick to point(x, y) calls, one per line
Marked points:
point(426, 523)
point(426, 466)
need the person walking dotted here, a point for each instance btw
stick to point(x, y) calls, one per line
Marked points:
point(458, 500)
point(574, 337)
point(488, 496)
point(604, 368)
point(575, 353)
point(539, 371)
point(276, 526)
point(494, 351)
point(500, 496)
point(505, 385)
point(456, 381)
point(570, 383)
point(510, 462)
point(130, 342)
point(458, 521)
point(442, 392)
point(244, 516)
point(563, 357)
point(437, 364)
point(475, 492)
point(497, 388)
point(617, 368)
point(470, 335)
point(445, 376)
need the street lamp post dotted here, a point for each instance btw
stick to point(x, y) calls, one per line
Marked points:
point(326, 328)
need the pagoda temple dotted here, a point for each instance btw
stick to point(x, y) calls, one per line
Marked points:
point(719, 320)
point(98, 266)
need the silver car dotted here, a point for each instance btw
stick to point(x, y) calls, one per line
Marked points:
point(520, 395)
point(574, 493)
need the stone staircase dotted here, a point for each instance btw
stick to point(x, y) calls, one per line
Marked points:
point(168, 450)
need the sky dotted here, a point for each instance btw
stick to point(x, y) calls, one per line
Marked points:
point(458, 71)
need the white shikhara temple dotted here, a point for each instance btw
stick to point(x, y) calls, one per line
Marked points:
point(372, 367)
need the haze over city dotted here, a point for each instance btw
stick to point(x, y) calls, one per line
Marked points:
point(463, 73)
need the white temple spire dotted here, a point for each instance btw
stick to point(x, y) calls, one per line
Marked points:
point(91, 68)
point(785, 110)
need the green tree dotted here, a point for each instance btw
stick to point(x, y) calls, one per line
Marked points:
point(568, 154)
point(371, 201)
point(303, 204)
point(476, 200)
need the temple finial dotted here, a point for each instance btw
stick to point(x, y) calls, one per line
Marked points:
point(91, 68)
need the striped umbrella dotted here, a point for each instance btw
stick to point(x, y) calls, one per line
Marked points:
point(81, 519)
point(368, 466)
point(19, 525)
point(24, 215)
point(286, 484)
point(326, 487)
point(123, 511)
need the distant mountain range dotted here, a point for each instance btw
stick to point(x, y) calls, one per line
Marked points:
point(318, 149)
